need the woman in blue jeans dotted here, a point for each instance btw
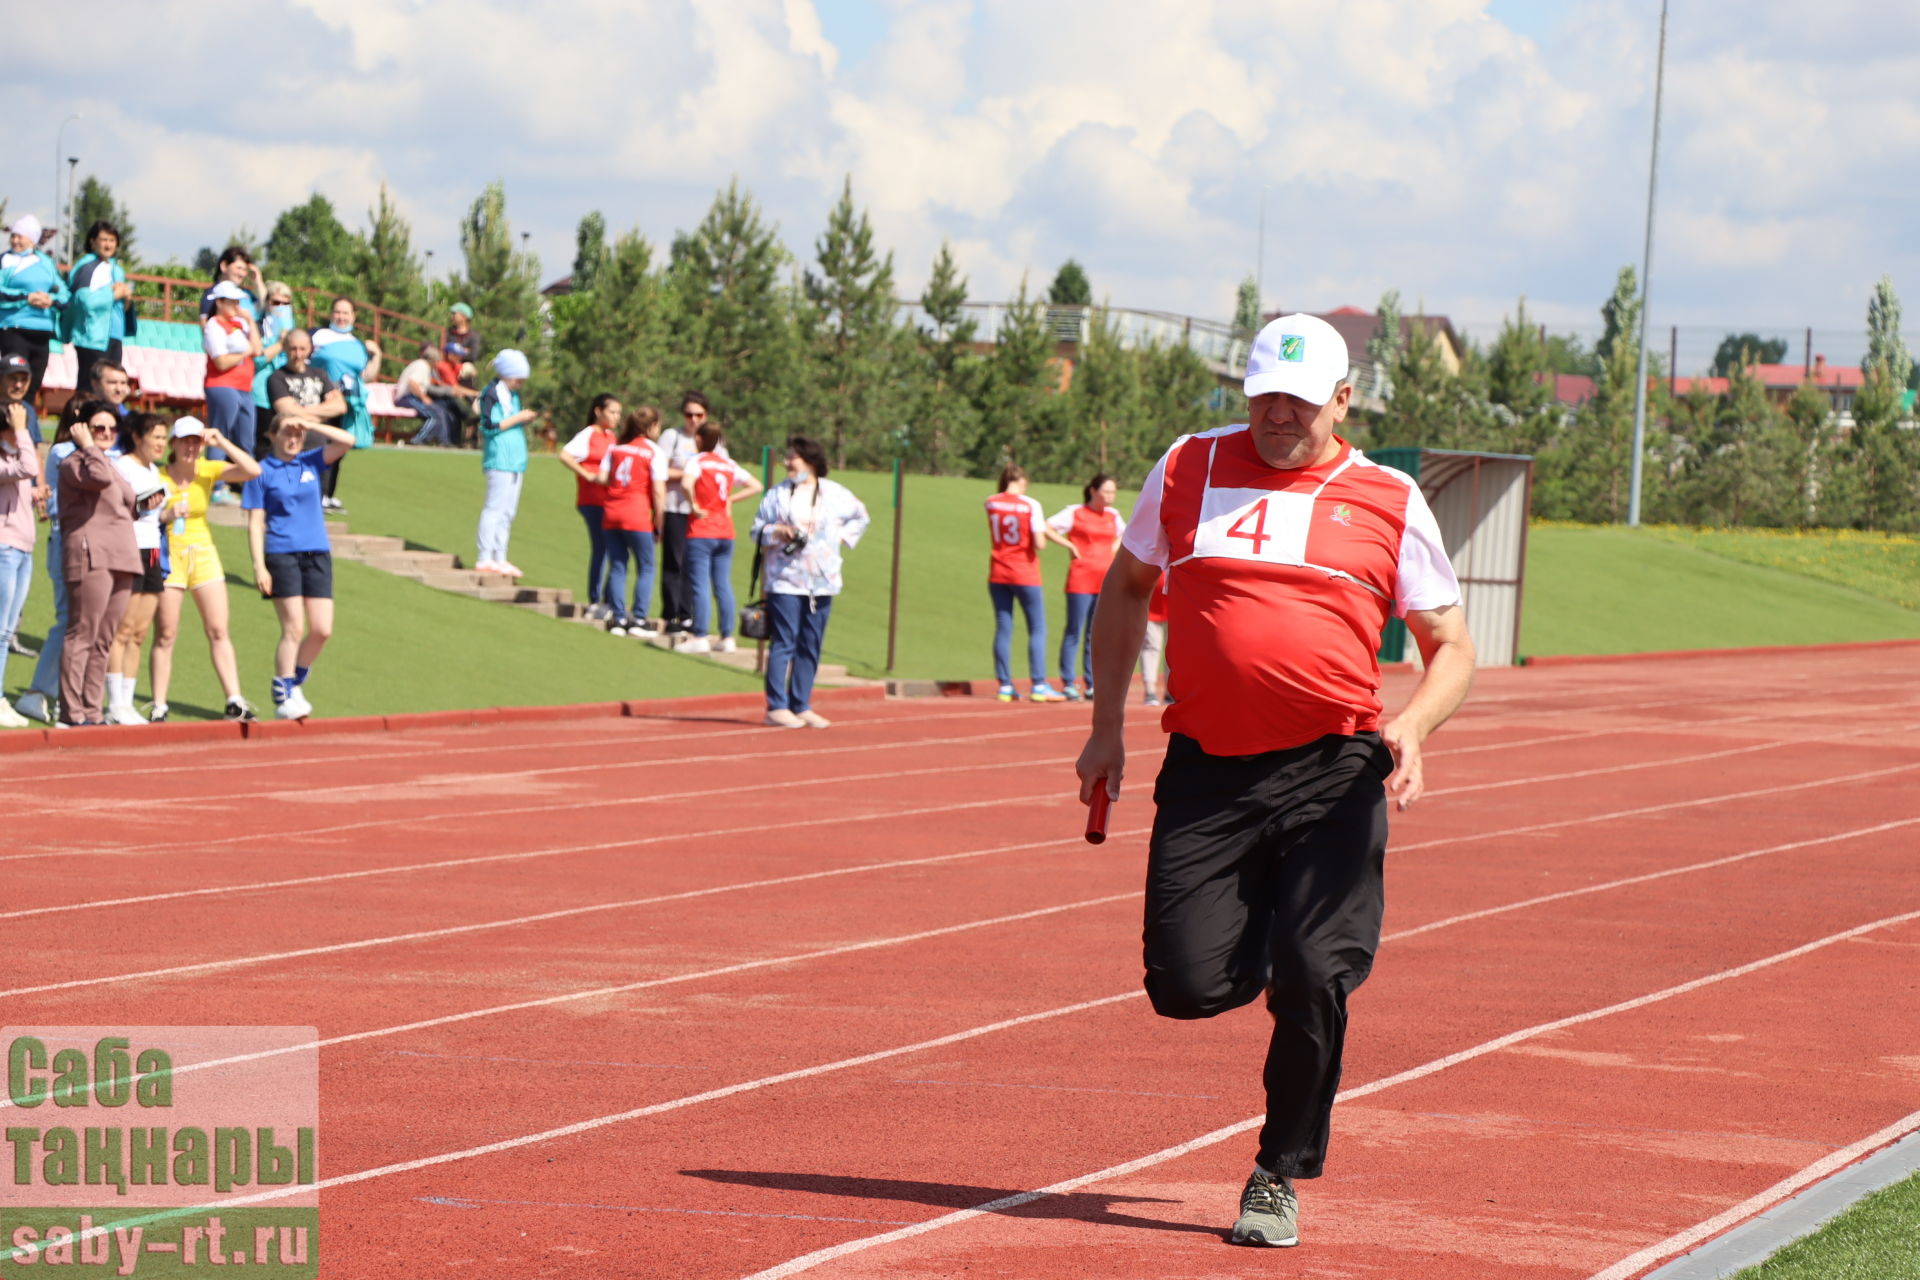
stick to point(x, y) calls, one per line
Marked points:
point(802, 524)
point(713, 483)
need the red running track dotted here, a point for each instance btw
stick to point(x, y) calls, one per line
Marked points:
point(686, 998)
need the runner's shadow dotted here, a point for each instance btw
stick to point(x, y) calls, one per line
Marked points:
point(1078, 1206)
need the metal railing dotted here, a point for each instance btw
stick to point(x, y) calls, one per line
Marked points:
point(176, 300)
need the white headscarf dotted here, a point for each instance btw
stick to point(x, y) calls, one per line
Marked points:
point(29, 226)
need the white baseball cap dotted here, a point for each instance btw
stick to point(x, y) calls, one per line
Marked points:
point(228, 289)
point(188, 426)
point(1297, 355)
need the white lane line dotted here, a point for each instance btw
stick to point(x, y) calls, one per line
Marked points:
point(807, 1262)
point(1056, 1088)
point(1669, 807)
point(744, 966)
point(142, 806)
point(1729, 860)
point(1681, 1241)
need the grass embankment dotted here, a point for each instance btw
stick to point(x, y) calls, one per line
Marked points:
point(1873, 1240)
point(1607, 589)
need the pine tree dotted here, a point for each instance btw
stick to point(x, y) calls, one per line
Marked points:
point(1070, 287)
point(1422, 409)
point(309, 246)
point(500, 283)
point(1103, 406)
point(735, 329)
point(1587, 473)
point(95, 203)
point(589, 251)
point(386, 271)
point(943, 423)
point(854, 337)
point(1018, 386)
point(1246, 309)
point(1519, 382)
point(613, 338)
point(1881, 456)
point(1810, 417)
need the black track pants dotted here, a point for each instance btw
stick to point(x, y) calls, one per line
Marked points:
point(1265, 873)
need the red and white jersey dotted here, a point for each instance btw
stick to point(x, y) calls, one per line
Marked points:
point(1018, 525)
point(1096, 536)
point(1279, 583)
point(631, 470)
point(588, 446)
point(711, 477)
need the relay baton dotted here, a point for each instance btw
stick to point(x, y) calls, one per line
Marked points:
point(1097, 813)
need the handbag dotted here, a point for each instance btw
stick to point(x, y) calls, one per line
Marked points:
point(754, 622)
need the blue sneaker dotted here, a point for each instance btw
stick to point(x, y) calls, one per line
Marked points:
point(1008, 693)
point(1044, 692)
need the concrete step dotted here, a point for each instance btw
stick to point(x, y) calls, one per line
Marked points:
point(361, 546)
point(450, 579)
point(410, 564)
point(509, 594)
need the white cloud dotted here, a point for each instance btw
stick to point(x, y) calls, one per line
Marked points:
point(1412, 144)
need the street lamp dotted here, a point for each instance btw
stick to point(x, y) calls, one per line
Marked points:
point(1646, 286)
point(59, 149)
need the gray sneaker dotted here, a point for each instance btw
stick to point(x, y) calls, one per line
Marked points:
point(1269, 1212)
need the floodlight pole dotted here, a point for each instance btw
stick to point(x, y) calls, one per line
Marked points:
point(1646, 283)
point(1260, 262)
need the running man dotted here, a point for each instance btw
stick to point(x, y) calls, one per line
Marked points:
point(1285, 552)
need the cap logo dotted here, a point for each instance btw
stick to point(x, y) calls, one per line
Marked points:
point(1293, 347)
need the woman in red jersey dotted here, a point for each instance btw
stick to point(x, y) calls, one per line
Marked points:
point(1018, 526)
point(634, 474)
point(1094, 528)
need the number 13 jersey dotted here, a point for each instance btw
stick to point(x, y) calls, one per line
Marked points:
point(1279, 584)
point(1017, 525)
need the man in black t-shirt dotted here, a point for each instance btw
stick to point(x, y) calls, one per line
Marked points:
point(300, 388)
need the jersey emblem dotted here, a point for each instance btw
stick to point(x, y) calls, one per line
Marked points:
point(306, 476)
point(1342, 514)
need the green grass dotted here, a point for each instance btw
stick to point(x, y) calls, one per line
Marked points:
point(946, 625)
point(1615, 590)
point(1880, 564)
point(1873, 1240)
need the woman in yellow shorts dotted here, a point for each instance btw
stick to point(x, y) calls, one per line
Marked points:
point(196, 567)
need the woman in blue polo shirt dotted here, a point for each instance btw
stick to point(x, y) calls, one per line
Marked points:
point(292, 557)
point(503, 459)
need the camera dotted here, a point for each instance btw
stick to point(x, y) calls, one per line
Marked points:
point(795, 545)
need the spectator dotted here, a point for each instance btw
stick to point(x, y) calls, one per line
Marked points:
point(453, 388)
point(19, 477)
point(32, 295)
point(713, 483)
point(300, 389)
point(634, 475)
point(236, 267)
point(353, 364)
point(146, 444)
point(1094, 527)
point(1017, 528)
point(194, 562)
point(503, 459)
point(679, 444)
point(232, 340)
point(582, 456)
point(100, 560)
point(462, 344)
point(42, 701)
point(803, 523)
point(292, 557)
point(275, 324)
point(414, 391)
point(96, 318)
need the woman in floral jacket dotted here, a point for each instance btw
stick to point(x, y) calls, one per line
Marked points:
point(803, 523)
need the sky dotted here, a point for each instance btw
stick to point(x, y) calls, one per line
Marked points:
point(1463, 152)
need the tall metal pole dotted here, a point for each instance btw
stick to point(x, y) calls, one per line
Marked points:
point(1646, 282)
point(893, 590)
point(73, 167)
point(1260, 262)
point(59, 147)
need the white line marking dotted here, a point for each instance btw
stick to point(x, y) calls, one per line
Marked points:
point(1681, 1241)
point(808, 1261)
point(472, 1202)
point(1056, 1088)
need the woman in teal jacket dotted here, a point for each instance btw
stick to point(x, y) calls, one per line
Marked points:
point(352, 363)
point(32, 295)
point(96, 318)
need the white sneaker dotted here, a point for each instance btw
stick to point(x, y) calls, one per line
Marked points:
point(617, 628)
point(124, 715)
point(11, 719)
point(696, 644)
point(487, 566)
point(814, 720)
point(37, 705)
point(784, 719)
point(726, 645)
point(296, 707)
point(509, 568)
